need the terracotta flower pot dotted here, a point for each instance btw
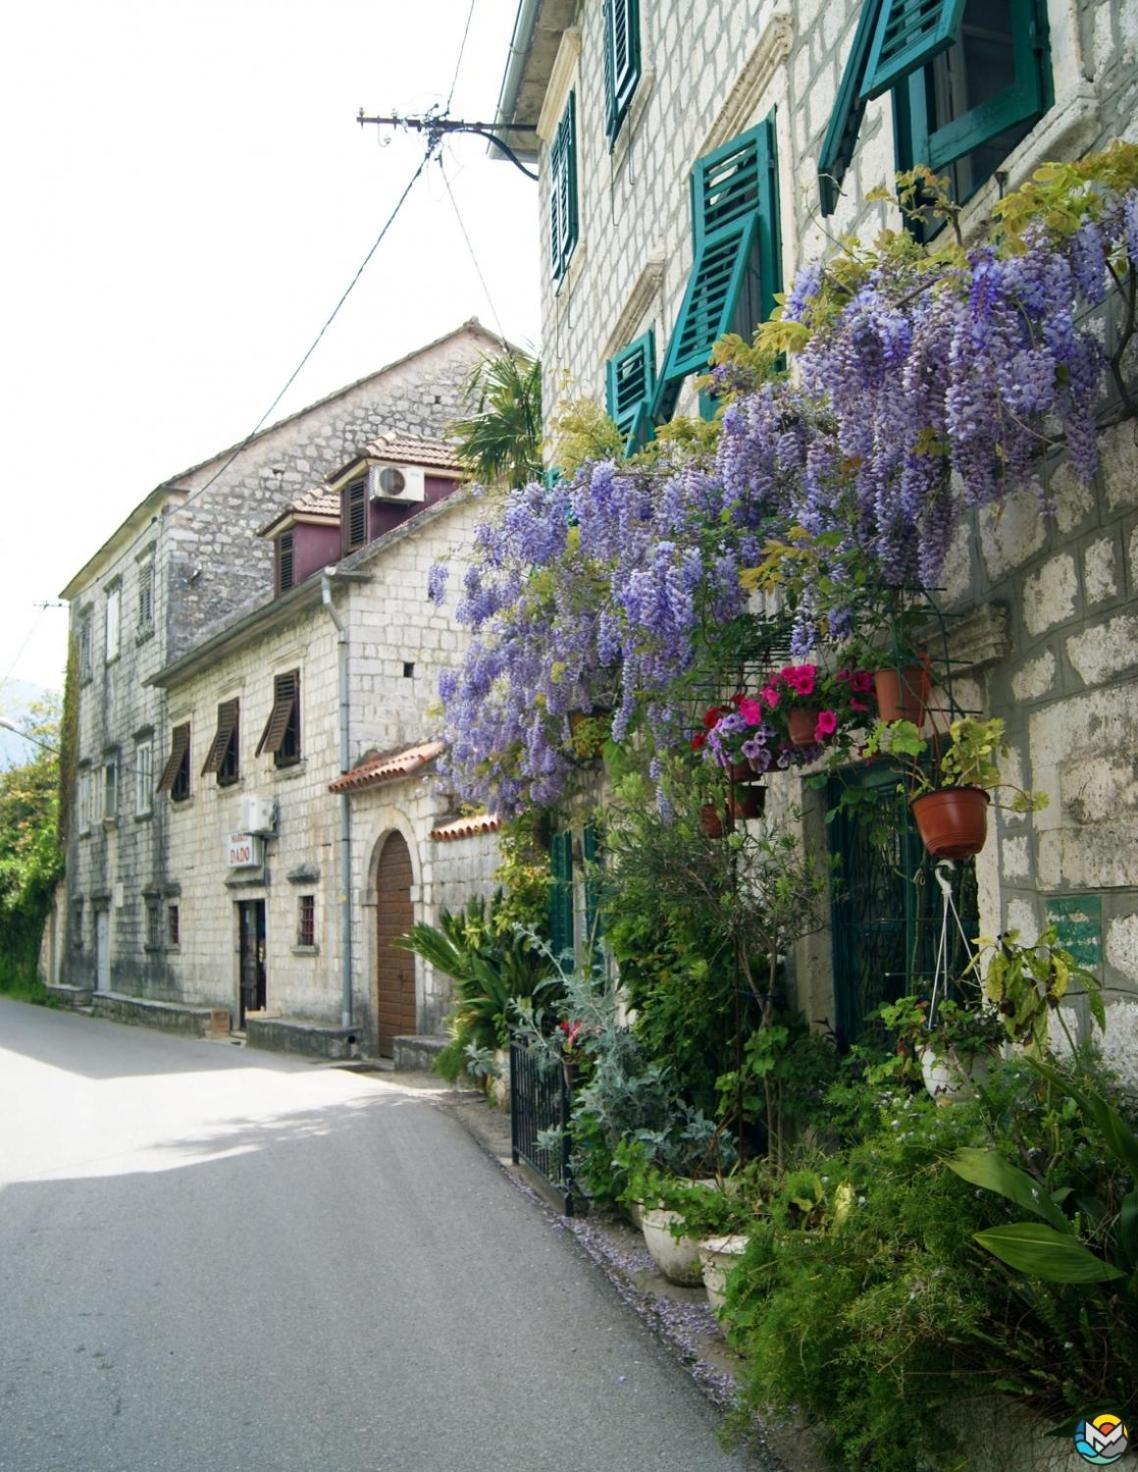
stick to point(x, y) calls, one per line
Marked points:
point(800, 724)
point(750, 800)
point(952, 821)
point(711, 820)
point(743, 772)
point(903, 694)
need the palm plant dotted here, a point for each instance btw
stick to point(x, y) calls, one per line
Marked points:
point(501, 440)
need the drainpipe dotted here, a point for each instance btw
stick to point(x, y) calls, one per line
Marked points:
point(345, 866)
point(520, 42)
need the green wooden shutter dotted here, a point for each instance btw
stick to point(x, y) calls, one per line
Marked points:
point(561, 893)
point(622, 61)
point(845, 120)
point(630, 389)
point(592, 850)
point(563, 190)
point(909, 34)
point(736, 270)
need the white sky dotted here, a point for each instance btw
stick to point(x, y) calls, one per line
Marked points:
point(186, 194)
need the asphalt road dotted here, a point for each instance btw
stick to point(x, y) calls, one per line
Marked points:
point(214, 1260)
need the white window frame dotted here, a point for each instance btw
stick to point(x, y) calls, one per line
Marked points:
point(144, 777)
point(84, 800)
point(113, 629)
point(147, 586)
point(110, 786)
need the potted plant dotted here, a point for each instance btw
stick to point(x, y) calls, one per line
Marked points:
point(950, 802)
point(952, 1043)
point(903, 690)
point(1025, 985)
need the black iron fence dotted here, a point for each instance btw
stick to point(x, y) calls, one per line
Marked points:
point(540, 1100)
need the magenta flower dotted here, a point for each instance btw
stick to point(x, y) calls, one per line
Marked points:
point(751, 710)
point(800, 678)
point(769, 693)
point(826, 724)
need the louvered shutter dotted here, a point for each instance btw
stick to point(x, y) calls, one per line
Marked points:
point(561, 893)
point(286, 561)
point(622, 61)
point(286, 694)
point(355, 515)
point(179, 752)
point(845, 120)
point(226, 731)
point(909, 34)
point(630, 389)
point(563, 190)
point(591, 848)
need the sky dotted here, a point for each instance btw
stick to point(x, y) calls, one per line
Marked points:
point(186, 195)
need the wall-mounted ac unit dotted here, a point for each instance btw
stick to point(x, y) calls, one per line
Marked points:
point(405, 483)
point(258, 814)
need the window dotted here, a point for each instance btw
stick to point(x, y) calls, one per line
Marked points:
point(173, 925)
point(76, 925)
point(286, 561)
point(408, 669)
point(281, 735)
point(622, 61)
point(630, 388)
point(306, 920)
point(223, 753)
point(353, 516)
point(145, 597)
point(86, 806)
point(969, 79)
point(114, 621)
point(86, 669)
point(111, 787)
point(563, 190)
point(736, 266)
point(175, 778)
point(143, 776)
point(153, 925)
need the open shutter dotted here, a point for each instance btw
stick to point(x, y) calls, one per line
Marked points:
point(591, 848)
point(630, 389)
point(845, 120)
point(563, 186)
point(622, 61)
point(736, 266)
point(286, 562)
point(179, 752)
point(561, 893)
point(225, 733)
point(354, 516)
point(286, 694)
point(909, 34)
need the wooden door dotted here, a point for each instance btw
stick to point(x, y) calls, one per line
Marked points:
point(253, 976)
point(395, 968)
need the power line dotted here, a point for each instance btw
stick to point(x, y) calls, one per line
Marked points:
point(473, 257)
point(461, 49)
point(387, 224)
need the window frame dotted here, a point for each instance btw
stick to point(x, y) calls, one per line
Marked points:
point(175, 777)
point(622, 74)
point(112, 599)
point(223, 759)
point(347, 542)
point(173, 926)
point(282, 734)
point(154, 926)
point(110, 783)
point(306, 922)
point(86, 641)
point(281, 553)
point(144, 777)
point(146, 591)
point(75, 934)
point(563, 197)
point(631, 411)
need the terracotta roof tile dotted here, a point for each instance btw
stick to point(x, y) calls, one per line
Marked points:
point(376, 769)
point(466, 827)
point(412, 449)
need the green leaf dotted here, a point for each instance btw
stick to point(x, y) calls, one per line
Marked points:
point(1041, 1252)
point(988, 1169)
point(1117, 1135)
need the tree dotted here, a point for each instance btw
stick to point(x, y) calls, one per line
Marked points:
point(501, 440)
point(31, 860)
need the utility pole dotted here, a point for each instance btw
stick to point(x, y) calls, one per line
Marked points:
point(437, 125)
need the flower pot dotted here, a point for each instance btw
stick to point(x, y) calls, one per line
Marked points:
point(952, 821)
point(677, 1258)
point(750, 800)
point(500, 1082)
point(800, 725)
point(743, 773)
point(949, 1077)
point(903, 694)
point(717, 1256)
point(711, 820)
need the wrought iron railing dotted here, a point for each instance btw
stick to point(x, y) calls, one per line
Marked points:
point(540, 1100)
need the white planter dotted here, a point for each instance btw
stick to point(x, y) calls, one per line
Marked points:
point(717, 1256)
point(677, 1258)
point(948, 1077)
point(500, 1083)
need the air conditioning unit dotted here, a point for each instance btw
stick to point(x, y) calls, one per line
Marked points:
point(406, 483)
point(258, 815)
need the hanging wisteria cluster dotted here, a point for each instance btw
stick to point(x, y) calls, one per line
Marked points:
point(924, 386)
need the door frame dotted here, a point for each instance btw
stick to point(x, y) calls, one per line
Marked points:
point(367, 976)
point(257, 911)
point(102, 921)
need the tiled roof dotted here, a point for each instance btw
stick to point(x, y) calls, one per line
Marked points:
point(412, 449)
point(466, 827)
point(317, 501)
point(376, 769)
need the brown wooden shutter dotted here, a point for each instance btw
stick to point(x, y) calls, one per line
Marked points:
point(355, 515)
point(285, 562)
point(179, 751)
point(286, 694)
point(226, 730)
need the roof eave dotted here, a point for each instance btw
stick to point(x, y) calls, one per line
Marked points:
point(538, 28)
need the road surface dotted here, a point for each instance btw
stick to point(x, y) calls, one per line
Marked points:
point(217, 1260)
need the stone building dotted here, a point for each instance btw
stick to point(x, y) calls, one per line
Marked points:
point(188, 564)
point(691, 159)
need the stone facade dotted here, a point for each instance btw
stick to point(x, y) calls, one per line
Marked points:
point(1045, 617)
point(184, 563)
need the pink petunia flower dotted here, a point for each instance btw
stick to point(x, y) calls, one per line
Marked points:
point(861, 682)
point(825, 725)
point(770, 694)
point(751, 710)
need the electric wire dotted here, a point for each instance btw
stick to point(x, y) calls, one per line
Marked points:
point(387, 224)
point(474, 259)
point(461, 50)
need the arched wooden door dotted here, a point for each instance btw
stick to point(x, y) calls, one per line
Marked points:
point(395, 968)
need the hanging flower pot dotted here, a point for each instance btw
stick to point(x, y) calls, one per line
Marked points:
point(952, 821)
point(743, 772)
point(903, 693)
point(800, 724)
point(750, 800)
point(711, 820)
